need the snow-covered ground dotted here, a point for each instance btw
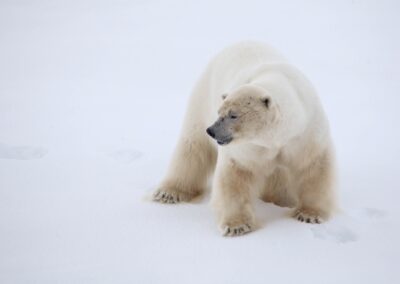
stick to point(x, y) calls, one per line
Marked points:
point(92, 96)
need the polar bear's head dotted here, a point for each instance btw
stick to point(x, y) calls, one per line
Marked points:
point(250, 114)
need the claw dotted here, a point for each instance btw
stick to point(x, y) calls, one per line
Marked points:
point(306, 217)
point(236, 231)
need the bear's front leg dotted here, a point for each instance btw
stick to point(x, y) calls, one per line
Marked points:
point(192, 162)
point(232, 198)
point(316, 193)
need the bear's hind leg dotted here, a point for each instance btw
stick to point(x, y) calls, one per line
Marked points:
point(276, 189)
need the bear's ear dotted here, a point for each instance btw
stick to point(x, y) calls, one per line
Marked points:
point(266, 102)
point(224, 96)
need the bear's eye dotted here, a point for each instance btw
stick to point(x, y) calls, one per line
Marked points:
point(233, 116)
point(266, 102)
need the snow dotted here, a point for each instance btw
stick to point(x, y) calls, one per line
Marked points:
point(92, 96)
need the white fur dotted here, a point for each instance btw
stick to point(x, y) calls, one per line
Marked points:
point(282, 154)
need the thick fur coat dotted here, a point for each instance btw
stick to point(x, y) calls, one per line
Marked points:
point(255, 125)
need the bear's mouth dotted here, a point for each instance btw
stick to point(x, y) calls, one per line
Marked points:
point(224, 141)
point(220, 134)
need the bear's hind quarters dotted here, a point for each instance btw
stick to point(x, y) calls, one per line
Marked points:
point(173, 196)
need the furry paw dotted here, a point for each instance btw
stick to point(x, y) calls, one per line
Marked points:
point(308, 216)
point(172, 196)
point(165, 197)
point(233, 231)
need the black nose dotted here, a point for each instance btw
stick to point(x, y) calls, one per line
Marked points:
point(210, 132)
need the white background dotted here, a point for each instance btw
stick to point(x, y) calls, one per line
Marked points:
point(92, 97)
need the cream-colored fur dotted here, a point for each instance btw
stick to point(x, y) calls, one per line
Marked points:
point(274, 136)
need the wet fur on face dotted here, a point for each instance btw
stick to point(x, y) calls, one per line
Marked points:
point(244, 114)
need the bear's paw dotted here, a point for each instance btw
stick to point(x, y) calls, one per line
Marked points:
point(238, 230)
point(308, 216)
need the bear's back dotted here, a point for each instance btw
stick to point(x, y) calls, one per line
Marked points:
point(233, 66)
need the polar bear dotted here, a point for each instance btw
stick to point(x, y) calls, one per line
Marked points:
point(255, 125)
